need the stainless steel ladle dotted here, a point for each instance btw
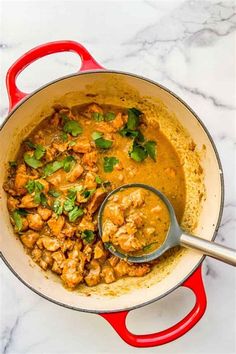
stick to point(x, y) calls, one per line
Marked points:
point(175, 235)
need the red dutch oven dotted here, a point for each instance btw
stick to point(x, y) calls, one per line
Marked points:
point(25, 111)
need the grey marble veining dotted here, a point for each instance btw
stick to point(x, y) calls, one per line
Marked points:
point(189, 47)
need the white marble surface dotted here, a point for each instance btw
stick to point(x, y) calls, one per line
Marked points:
point(188, 46)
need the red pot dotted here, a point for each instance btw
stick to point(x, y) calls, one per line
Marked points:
point(25, 111)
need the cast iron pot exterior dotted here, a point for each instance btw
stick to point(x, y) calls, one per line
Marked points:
point(187, 273)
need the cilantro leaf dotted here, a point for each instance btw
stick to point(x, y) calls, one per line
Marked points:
point(98, 117)
point(103, 143)
point(72, 127)
point(88, 236)
point(39, 152)
point(57, 207)
point(88, 193)
point(69, 204)
point(43, 199)
point(133, 118)
point(150, 147)
point(68, 163)
point(96, 135)
point(109, 163)
point(64, 136)
point(17, 220)
point(52, 167)
point(75, 213)
point(109, 116)
point(138, 153)
point(54, 193)
point(32, 161)
point(98, 180)
point(30, 186)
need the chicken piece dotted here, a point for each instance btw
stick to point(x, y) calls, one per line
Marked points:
point(105, 127)
point(44, 212)
point(138, 270)
point(21, 179)
point(99, 251)
point(59, 259)
point(68, 230)
point(75, 253)
point(44, 183)
point(71, 276)
point(28, 202)
point(115, 214)
point(50, 154)
point(128, 243)
point(51, 244)
point(118, 122)
point(36, 254)
point(156, 209)
point(108, 274)
point(113, 260)
point(25, 224)
point(93, 277)
point(136, 218)
point(61, 147)
point(94, 107)
point(12, 203)
point(86, 223)
point(43, 264)
point(148, 231)
point(35, 221)
point(136, 198)
point(82, 145)
point(29, 238)
point(90, 158)
point(96, 200)
point(87, 251)
point(56, 268)
point(67, 245)
point(47, 257)
point(90, 181)
point(133, 270)
point(56, 224)
point(108, 230)
point(75, 173)
point(57, 178)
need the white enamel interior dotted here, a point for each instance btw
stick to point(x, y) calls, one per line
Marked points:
point(12, 249)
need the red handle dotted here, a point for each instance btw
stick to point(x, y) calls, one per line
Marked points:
point(118, 320)
point(14, 94)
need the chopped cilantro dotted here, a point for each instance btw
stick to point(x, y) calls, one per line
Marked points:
point(88, 236)
point(98, 117)
point(32, 161)
point(72, 127)
point(150, 147)
point(109, 116)
point(68, 163)
point(75, 213)
point(96, 135)
point(52, 167)
point(54, 193)
point(109, 163)
point(57, 207)
point(133, 118)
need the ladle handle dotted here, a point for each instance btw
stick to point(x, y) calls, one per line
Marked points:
point(212, 249)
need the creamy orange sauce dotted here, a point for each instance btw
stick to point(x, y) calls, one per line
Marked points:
point(136, 221)
point(64, 170)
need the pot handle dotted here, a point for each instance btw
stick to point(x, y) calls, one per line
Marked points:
point(118, 319)
point(87, 63)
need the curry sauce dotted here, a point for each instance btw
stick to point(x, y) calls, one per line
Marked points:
point(64, 170)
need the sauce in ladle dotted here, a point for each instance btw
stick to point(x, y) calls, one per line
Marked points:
point(135, 221)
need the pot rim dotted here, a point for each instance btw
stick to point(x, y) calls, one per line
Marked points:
point(221, 184)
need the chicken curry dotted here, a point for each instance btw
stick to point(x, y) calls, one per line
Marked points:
point(64, 170)
point(136, 221)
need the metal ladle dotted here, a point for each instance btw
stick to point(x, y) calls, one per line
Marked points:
point(175, 235)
